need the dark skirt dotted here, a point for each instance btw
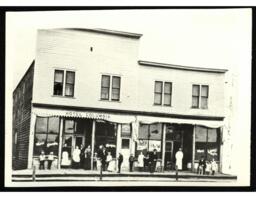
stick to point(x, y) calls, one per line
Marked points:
point(87, 164)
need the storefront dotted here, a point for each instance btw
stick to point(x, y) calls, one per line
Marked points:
point(59, 130)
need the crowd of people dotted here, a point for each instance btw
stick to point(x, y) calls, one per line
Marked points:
point(81, 158)
point(144, 163)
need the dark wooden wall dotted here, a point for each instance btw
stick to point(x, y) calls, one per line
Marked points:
point(22, 97)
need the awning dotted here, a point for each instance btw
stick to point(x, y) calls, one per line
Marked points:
point(207, 123)
point(111, 117)
point(120, 118)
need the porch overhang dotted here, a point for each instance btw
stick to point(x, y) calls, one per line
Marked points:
point(206, 123)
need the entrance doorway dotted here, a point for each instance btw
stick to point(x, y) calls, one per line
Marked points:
point(168, 162)
point(106, 135)
point(178, 136)
point(126, 152)
point(174, 141)
point(76, 133)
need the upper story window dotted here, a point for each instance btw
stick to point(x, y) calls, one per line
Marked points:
point(70, 82)
point(58, 82)
point(110, 86)
point(60, 87)
point(200, 95)
point(163, 93)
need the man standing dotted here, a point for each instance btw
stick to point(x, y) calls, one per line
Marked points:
point(82, 156)
point(153, 160)
point(131, 160)
point(201, 166)
point(179, 157)
point(102, 156)
point(120, 161)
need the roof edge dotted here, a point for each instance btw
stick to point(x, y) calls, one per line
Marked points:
point(181, 67)
point(21, 80)
point(103, 31)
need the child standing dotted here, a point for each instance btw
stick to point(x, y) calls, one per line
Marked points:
point(41, 160)
point(214, 166)
point(208, 168)
point(50, 160)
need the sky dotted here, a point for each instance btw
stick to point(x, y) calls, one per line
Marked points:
point(200, 38)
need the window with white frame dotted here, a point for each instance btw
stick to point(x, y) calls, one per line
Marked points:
point(200, 95)
point(163, 93)
point(64, 86)
point(110, 87)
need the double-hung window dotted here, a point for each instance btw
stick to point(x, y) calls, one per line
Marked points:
point(163, 93)
point(70, 82)
point(204, 96)
point(115, 88)
point(200, 95)
point(105, 86)
point(110, 87)
point(58, 82)
point(158, 92)
point(64, 86)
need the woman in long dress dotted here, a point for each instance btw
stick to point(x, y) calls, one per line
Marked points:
point(65, 161)
point(141, 161)
point(87, 160)
point(76, 157)
point(110, 162)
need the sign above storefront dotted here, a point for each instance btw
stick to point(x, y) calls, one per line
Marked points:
point(89, 115)
point(43, 112)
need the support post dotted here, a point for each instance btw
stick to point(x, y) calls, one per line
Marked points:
point(60, 142)
point(163, 146)
point(31, 139)
point(101, 172)
point(118, 143)
point(93, 141)
point(176, 173)
point(34, 173)
point(193, 148)
point(220, 168)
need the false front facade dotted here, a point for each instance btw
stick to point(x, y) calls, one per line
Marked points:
point(88, 88)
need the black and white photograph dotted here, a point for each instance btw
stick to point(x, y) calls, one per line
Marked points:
point(128, 97)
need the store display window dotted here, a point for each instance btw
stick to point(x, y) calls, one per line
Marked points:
point(207, 142)
point(150, 138)
point(46, 135)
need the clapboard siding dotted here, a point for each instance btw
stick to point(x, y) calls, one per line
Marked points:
point(112, 55)
point(22, 97)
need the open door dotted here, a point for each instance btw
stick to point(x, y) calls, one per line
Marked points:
point(126, 151)
point(168, 164)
